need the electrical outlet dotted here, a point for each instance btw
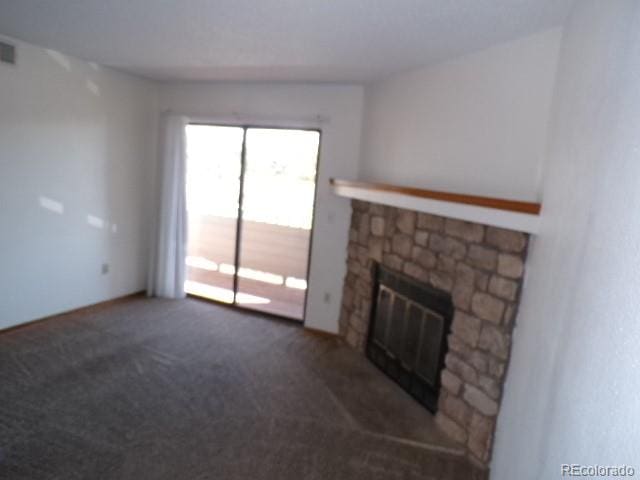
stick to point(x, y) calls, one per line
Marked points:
point(105, 268)
point(7, 53)
point(327, 297)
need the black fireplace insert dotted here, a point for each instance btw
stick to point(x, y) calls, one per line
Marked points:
point(407, 339)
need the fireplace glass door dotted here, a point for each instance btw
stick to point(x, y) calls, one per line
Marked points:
point(410, 324)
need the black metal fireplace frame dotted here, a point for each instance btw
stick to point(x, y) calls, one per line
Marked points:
point(437, 301)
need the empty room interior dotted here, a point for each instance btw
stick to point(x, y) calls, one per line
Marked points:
point(365, 239)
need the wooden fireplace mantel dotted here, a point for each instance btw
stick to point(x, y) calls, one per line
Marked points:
point(499, 212)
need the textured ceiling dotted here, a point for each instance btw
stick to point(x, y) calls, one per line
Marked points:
point(275, 40)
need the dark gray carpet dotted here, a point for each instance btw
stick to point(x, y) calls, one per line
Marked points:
point(154, 389)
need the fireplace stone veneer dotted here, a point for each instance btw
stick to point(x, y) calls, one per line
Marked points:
point(481, 267)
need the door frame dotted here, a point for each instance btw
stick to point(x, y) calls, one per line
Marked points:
point(245, 127)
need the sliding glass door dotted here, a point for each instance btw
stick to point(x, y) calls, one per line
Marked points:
point(213, 191)
point(277, 212)
point(250, 199)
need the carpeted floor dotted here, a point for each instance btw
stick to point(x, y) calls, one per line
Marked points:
point(154, 389)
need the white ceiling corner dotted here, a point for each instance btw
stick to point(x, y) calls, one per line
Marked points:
point(346, 41)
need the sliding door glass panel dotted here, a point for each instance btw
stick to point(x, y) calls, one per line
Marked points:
point(277, 213)
point(213, 186)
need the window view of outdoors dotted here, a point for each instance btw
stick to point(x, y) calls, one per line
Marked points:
point(277, 213)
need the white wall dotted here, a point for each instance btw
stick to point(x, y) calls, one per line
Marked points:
point(476, 124)
point(297, 105)
point(573, 385)
point(82, 136)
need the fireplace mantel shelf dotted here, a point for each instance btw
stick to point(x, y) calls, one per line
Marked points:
point(498, 212)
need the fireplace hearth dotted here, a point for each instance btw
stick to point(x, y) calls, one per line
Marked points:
point(408, 335)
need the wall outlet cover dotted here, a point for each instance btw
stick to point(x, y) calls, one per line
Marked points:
point(7, 53)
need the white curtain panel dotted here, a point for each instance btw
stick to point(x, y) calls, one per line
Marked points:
point(167, 270)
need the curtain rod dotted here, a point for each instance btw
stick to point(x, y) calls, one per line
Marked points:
point(252, 119)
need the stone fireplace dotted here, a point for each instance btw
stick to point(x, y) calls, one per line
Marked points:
point(481, 267)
